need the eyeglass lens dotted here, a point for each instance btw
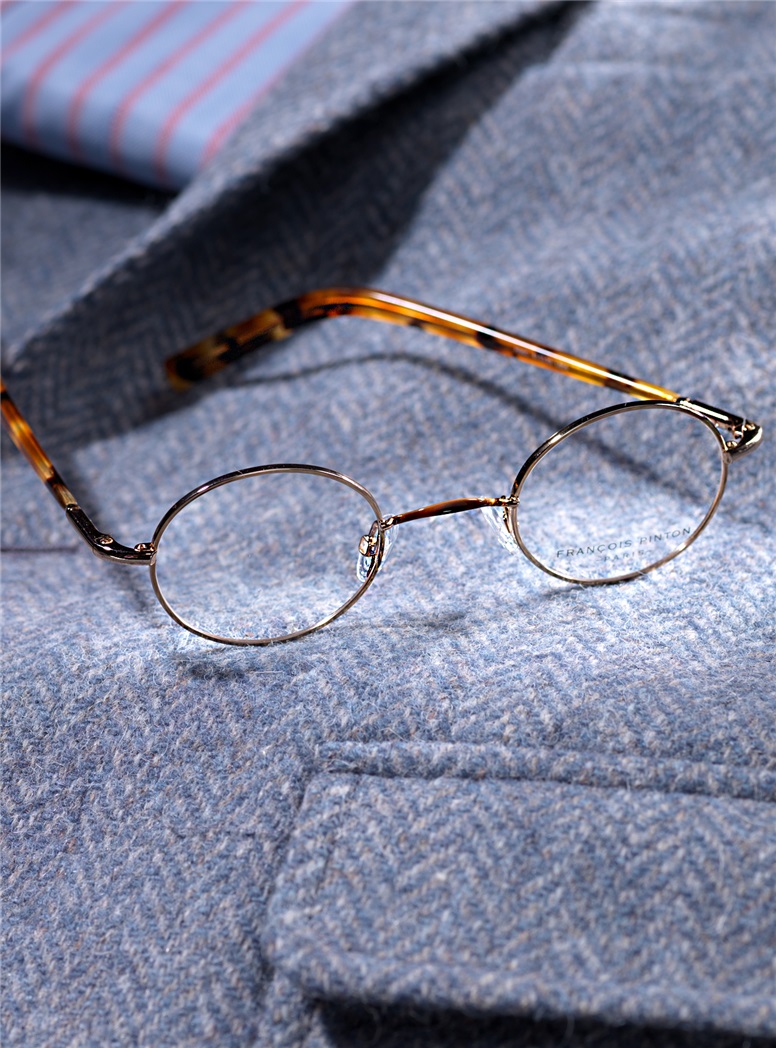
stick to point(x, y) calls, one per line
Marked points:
point(620, 495)
point(266, 556)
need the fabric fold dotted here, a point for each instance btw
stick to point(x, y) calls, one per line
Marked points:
point(386, 49)
point(539, 897)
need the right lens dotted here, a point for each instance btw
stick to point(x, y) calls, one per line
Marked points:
point(620, 492)
point(263, 555)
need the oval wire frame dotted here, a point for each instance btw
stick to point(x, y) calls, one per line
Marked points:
point(242, 474)
point(512, 513)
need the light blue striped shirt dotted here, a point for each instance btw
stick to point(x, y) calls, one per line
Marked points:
point(148, 89)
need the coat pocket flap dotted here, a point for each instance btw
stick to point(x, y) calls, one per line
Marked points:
point(532, 896)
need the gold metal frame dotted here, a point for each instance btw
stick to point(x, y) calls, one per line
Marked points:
point(376, 551)
point(513, 514)
point(736, 434)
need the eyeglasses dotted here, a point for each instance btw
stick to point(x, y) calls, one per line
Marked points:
point(276, 552)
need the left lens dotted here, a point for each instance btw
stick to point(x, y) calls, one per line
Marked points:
point(620, 492)
point(263, 555)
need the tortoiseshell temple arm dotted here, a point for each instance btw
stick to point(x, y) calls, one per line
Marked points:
point(272, 325)
point(25, 440)
point(212, 354)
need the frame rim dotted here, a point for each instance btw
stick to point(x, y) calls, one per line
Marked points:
point(513, 510)
point(242, 474)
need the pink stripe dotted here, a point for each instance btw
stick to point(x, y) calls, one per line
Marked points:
point(161, 70)
point(28, 105)
point(207, 85)
point(37, 27)
point(148, 30)
point(225, 129)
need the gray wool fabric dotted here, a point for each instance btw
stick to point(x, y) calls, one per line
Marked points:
point(484, 807)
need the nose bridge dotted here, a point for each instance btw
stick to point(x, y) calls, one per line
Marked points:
point(442, 509)
point(369, 545)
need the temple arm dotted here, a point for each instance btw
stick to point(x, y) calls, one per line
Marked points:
point(26, 441)
point(214, 353)
point(272, 325)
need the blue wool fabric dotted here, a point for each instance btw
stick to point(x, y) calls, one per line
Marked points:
point(148, 90)
point(483, 807)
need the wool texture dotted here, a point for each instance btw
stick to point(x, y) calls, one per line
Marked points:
point(484, 806)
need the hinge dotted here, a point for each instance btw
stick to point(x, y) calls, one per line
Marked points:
point(741, 436)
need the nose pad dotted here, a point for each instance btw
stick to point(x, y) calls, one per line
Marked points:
point(367, 551)
point(497, 520)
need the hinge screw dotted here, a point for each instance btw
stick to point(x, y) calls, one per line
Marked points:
point(105, 540)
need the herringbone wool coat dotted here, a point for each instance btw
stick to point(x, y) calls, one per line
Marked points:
point(483, 807)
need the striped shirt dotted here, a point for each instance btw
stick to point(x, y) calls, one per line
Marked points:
point(148, 89)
